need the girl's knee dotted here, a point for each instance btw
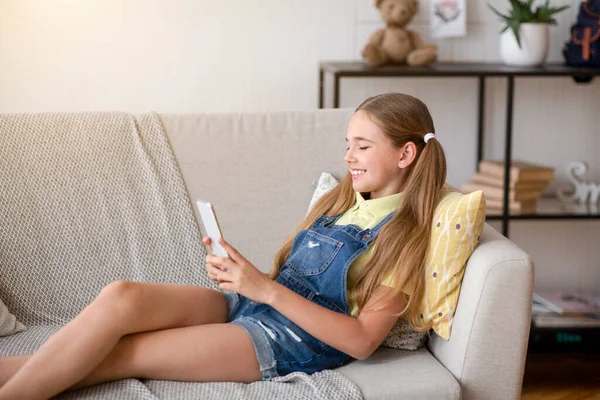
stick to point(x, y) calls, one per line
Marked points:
point(118, 288)
point(119, 298)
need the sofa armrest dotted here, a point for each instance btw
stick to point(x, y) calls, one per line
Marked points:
point(488, 344)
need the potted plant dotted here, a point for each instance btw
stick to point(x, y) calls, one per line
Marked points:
point(525, 36)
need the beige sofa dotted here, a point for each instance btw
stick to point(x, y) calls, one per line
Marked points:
point(258, 169)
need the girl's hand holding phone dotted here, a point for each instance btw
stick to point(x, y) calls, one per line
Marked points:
point(211, 269)
point(237, 274)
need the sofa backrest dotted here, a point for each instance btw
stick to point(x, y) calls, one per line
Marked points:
point(257, 169)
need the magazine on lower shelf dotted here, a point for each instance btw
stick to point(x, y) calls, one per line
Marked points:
point(562, 308)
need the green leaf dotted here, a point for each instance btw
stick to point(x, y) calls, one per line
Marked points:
point(557, 10)
point(542, 15)
point(522, 11)
point(504, 17)
point(517, 11)
point(527, 15)
point(514, 26)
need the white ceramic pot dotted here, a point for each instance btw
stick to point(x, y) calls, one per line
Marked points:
point(534, 45)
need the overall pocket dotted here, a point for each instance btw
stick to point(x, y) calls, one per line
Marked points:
point(314, 254)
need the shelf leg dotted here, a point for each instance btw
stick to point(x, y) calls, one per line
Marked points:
point(480, 119)
point(508, 153)
point(336, 90)
point(321, 86)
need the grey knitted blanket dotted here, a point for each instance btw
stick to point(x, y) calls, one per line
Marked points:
point(89, 198)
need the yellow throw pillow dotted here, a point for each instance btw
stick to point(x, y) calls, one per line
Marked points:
point(457, 225)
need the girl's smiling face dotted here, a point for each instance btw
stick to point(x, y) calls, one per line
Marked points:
point(375, 164)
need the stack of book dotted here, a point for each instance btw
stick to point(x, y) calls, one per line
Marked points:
point(527, 182)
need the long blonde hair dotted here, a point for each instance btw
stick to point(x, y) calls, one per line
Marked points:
point(401, 246)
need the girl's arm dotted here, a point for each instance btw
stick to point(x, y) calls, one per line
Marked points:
point(357, 337)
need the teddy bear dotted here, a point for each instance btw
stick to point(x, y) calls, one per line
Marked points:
point(394, 44)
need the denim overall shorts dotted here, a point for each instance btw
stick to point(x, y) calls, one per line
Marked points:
point(317, 270)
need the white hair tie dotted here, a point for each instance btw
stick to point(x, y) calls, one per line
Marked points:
point(429, 136)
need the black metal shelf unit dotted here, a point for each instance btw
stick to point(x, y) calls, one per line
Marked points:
point(547, 209)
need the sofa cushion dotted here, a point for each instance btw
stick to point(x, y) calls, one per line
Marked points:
point(324, 184)
point(387, 374)
point(397, 374)
point(28, 341)
point(8, 322)
point(457, 225)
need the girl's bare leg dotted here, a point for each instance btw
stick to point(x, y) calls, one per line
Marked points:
point(203, 353)
point(9, 367)
point(122, 308)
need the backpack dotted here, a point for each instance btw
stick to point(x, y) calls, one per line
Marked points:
point(584, 48)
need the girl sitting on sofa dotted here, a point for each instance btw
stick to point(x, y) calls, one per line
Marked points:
point(340, 282)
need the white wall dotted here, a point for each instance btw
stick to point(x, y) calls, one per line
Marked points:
point(169, 56)
point(254, 55)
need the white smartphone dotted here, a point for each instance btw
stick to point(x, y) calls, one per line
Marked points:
point(211, 227)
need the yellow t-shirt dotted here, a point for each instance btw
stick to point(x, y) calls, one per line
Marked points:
point(366, 214)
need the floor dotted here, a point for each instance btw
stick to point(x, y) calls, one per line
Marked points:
point(562, 377)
